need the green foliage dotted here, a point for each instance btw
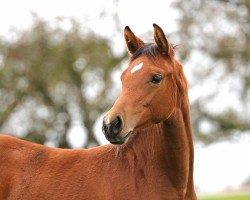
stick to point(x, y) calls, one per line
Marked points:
point(52, 78)
point(227, 197)
point(214, 39)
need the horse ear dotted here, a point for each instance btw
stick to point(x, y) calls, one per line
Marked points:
point(133, 42)
point(161, 40)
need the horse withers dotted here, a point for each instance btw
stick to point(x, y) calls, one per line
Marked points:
point(151, 152)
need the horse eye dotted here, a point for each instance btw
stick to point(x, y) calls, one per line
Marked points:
point(156, 79)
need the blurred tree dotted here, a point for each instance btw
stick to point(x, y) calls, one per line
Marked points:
point(52, 78)
point(214, 38)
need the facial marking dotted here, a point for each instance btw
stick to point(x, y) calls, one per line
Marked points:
point(136, 68)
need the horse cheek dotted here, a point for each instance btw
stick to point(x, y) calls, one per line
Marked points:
point(160, 113)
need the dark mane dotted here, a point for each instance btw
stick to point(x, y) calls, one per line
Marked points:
point(148, 49)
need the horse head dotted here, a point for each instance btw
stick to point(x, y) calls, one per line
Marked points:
point(148, 93)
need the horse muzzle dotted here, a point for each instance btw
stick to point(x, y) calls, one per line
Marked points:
point(112, 130)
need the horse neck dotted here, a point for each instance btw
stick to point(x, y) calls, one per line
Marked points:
point(169, 148)
point(178, 148)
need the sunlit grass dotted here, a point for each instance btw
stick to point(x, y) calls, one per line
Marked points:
point(227, 197)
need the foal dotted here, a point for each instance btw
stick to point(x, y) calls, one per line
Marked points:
point(151, 118)
point(151, 155)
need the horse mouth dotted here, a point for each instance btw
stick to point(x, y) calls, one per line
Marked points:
point(121, 140)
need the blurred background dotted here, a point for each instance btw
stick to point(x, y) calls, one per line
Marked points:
point(60, 63)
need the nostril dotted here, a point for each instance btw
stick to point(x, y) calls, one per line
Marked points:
point(117, 125)
point(112, 129)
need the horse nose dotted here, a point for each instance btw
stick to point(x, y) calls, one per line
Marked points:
point(112, 129)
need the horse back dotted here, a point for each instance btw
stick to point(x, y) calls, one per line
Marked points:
point(17, 158)
point(32, 171)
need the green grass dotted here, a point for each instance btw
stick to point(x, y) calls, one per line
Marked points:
point(227, 197)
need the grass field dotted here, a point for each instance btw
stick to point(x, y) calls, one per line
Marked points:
point(227, 197)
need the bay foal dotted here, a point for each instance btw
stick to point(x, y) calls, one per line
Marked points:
point(151, 155)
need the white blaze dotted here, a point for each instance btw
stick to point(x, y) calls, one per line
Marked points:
point(136, 68)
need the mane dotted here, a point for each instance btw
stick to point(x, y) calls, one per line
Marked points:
point(149, 49)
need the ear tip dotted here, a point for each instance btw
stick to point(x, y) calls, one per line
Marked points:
point(155, 25)
point(126, 28)
point(157, 28)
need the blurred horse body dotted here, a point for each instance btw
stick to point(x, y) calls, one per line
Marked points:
point(151, 155)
